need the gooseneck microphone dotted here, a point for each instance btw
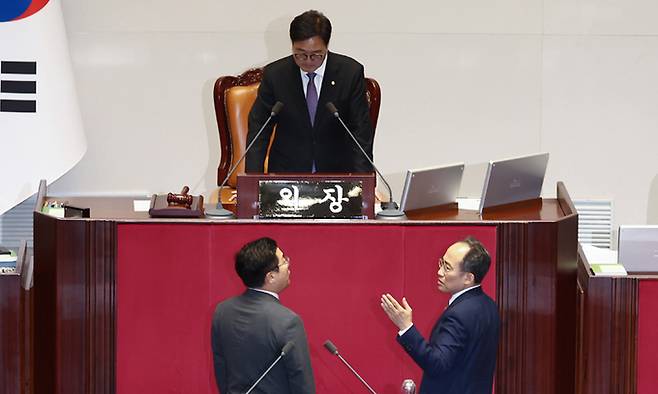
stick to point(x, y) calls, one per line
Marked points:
point(219, 212)
point(334, 350)
point(390, 210)
point(284, 351)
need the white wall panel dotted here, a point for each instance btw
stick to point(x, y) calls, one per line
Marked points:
point(448, 16)
point(452, 97)
point(601, 17)
point(147, 107)
point(600, 96)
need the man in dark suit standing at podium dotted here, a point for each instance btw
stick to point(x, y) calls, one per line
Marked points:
point(460, 356)
point(249, 331)
point(308, 137)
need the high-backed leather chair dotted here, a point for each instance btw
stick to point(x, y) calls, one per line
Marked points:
point(234, 96)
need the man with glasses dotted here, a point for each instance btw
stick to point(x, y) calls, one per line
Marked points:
point(460, 356)
point(249, 331)
point(309, 138)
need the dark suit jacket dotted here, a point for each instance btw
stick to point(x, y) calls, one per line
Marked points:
point(248, 333)
point(460, 356)
point(297, 144)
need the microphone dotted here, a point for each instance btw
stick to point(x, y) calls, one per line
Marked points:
point(284, 351)
point(219, 212)
point(334, 350)
point(331, 347)
point(408, 387)
point(390, 210)
point(287, 347)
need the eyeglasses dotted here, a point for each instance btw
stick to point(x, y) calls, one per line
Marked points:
point(286, 260)
point(446, 266)
point(312, 56)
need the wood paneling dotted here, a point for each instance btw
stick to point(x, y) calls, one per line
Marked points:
point(10, 333)
point(15, 336)
point(74, 331)
point(537, 306)
point(607, 333)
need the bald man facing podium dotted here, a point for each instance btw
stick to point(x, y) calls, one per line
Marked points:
point(460, 355)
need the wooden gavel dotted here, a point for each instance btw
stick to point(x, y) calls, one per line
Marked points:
point(182, 199)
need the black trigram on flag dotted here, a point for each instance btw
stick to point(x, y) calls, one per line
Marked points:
point(18, 86)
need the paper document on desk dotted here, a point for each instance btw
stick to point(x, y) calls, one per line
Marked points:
point(608, 269)
point(596, 255)
point(470, 204)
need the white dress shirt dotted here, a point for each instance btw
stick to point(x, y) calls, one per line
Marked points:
point(319, 74)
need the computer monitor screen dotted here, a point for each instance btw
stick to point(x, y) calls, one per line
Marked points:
point(430, 187)
point(513, 180)
point(638, 248)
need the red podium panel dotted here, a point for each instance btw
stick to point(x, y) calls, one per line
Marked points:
point(647, 327)
point(169, 279)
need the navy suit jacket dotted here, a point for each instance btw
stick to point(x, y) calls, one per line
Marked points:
point(460, 356)
point(248, 333)
point(297, 144)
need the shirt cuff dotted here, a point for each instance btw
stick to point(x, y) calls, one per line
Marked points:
point(401, 332)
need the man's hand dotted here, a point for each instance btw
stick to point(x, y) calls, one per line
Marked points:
point(400, 315)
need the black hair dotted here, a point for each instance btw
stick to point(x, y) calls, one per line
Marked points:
point(310, 24)
point(476, 260)
point(255, 260)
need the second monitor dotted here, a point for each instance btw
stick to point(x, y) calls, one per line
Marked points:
point(513, 180)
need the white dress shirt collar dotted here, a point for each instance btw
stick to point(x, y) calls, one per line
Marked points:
point(319, 75)
point(457, 294)
point(453, 298)
point(273, 294)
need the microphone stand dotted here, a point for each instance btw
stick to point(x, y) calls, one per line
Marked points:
point(284, 351)
point(355, 373)
point(333, 350)
point(219, 212)
point(390, 211)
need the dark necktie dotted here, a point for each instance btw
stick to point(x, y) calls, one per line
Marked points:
point(312, 104)
point(311, 97)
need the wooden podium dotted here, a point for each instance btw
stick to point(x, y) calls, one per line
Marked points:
point(15, 326)
point(123, 302)
point(617, 343)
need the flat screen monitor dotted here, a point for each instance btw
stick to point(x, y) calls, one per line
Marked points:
point(638, 248)
point(430, 187)
point(513, 180)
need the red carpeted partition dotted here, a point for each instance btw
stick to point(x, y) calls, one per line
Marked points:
point(647, 350)
point(170, 277)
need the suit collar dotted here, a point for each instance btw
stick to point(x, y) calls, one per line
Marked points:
point(330, 69)
point(469, 293)
point(296, 84)
point(328, 91)
point(266, 292)
point(253, 293)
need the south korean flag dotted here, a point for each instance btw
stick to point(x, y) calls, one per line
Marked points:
point(41, 133)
